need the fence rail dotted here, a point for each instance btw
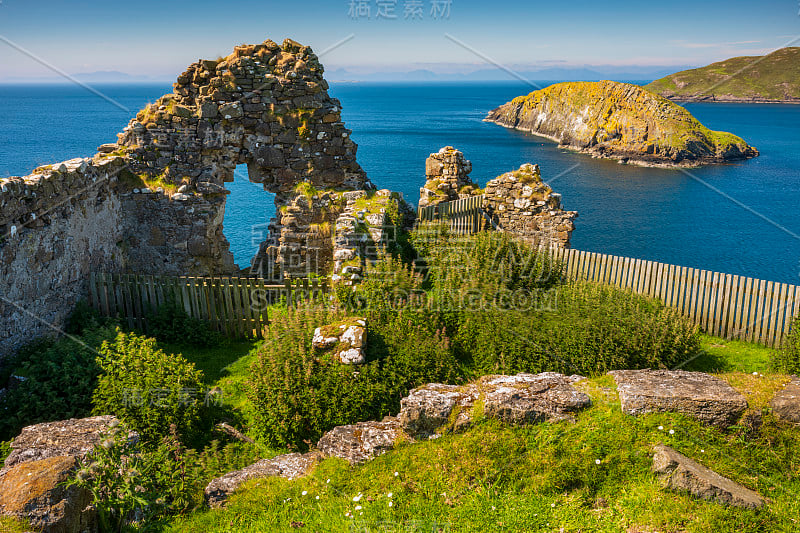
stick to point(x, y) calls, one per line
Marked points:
point(725, 305)
point(465, 215)
point(236, 307)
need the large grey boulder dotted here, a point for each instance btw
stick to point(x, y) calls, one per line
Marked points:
point(786, 403)
point(74, 437)
point(358, 443)
point(288, 466)
point(702, 396)
point(678, 472)
point(520, 399)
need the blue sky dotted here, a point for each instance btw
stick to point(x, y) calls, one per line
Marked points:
point(159, 39)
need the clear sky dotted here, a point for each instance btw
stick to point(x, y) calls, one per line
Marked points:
point(159, 38)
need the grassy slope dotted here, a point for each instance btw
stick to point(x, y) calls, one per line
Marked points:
point(540, 478)
point(774, 77)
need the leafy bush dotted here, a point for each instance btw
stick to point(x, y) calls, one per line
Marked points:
point(132, 488)
point(59, 377)
point(146, 388)
point(296, 395)
point(170, 323)
point(787, 358)
point(590, 329)
point(136, 488)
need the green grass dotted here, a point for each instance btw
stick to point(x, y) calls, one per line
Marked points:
point(721, 355)
point(12, 525)
point(773, 77)
point(591, 475)
point(213, 361)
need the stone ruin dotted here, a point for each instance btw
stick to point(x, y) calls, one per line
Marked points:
point(154, 201)
point(518, 202)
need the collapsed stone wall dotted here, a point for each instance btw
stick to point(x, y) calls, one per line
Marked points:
point(154, 201)
point(518, 202)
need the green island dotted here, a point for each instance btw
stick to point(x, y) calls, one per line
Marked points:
point(773, 78)
point(620, 121)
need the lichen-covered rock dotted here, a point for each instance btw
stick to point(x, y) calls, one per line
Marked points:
point(520, 399)
point(702, 396)
point(33, 491)
point(620, 121)
point(786, 403)
point(360, 442)
point(288, 466)
point(346, 340)
point(74, 437)
point(678, 472)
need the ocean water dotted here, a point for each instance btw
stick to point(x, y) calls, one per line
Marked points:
point(739, 218)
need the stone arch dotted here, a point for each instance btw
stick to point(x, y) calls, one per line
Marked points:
point(265, 106)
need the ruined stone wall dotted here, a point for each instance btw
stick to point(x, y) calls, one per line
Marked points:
point(446, 177)
point(266, 106)
point(154, 201)
point(58, 225)
point(518, 202)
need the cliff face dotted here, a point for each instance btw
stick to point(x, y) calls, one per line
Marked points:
point(620, 121)
point(774, 78)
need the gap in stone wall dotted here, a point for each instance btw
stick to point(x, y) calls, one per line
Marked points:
point(248, 211)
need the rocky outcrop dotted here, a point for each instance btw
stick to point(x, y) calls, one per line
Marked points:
point(44, 456)
point(620, 121)
point(520, 399)
point(446, 178)
point(786, 403)
point(702, 396)
point(34, 491)
point(346, 340)
point(678, 472)
point(358, 443)
point(288, 466)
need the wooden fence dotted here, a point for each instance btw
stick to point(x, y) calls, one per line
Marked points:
point(236, 307)
point(725, 305)
point(465, 215)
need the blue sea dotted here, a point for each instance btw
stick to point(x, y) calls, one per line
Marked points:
point(740, 218)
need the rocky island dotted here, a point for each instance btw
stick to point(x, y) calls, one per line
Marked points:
point(770, 79)
point(620, 121)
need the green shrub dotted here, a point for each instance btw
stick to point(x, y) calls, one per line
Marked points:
point(590, 329)
point(170, 323)
point(148, 389)
point(297, 395)
point(787, 358)
point(60, 376)
point(131, 487)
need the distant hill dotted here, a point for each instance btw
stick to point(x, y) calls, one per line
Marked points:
point(773, 78)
